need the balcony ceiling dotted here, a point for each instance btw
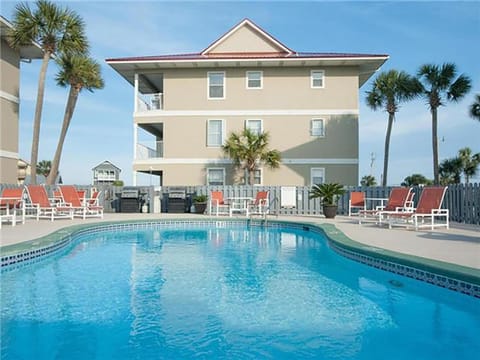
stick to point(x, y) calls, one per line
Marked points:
point(367, 65)
point(154, 129)
point(30, 51)
point(150, 83)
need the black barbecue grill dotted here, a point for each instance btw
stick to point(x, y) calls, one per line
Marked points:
point(130, 200)
point(177, 200)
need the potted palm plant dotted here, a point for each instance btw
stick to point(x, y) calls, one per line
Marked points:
point(200, 203)
point(329, 193)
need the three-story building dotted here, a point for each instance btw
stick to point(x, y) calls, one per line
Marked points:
point(186, 106)
point(12, 169)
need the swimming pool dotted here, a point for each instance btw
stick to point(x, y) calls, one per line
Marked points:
point(224, 290)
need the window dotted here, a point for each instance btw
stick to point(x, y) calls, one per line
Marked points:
point(254, 79)
point(254, 125)
point(257, 177)
point(215, 133)
point(216, 85)
point(104, 175)
point(317, 127)
point(317, 176)
point(216, 176)
point(317, 78)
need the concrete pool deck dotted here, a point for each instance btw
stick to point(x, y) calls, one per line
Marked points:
point(458, 245)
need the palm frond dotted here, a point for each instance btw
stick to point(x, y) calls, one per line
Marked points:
point(248, 150)
point(475, 108)
point(79, 71)
point(459, 88)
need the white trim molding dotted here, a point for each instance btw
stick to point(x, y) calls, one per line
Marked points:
point(224, 85)
point(191, 161)
point(207, 180)
point(9, 154)
point(247, 79)
point(212, 113)
point(9, 97)
point(313, 78)
point(320, 161)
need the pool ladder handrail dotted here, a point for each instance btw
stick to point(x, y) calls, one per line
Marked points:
point(267, 211)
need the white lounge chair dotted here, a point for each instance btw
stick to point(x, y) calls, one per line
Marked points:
point(81, 208)
point(11, 203)
point(428, 213)
point(42, 207)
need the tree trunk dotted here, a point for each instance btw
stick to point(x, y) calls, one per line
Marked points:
point(387, 148)
point(251, 176)
point(38, 117)
point(251, 172)
point(436, 177)
point(69, 108)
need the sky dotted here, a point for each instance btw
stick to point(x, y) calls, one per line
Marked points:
point(411, 33)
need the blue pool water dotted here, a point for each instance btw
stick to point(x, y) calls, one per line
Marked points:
point(229, 293)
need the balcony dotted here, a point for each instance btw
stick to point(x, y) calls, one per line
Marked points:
point(105, 177)
point(149, 102)
point(144, 151)
point(148, 92)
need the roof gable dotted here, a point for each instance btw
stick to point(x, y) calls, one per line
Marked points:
point(246, 37)
point(106, 165)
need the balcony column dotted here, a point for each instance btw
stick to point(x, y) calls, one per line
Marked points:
point(135, 126)
point(135, 140)
point(135, 94)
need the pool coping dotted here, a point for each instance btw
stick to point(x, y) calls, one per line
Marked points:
point(452, 276)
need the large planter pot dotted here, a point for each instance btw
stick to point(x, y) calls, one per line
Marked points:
point(330, 211)
point(200, 207)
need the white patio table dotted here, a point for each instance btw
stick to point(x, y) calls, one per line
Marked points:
point(239, 204)
point(374, 201)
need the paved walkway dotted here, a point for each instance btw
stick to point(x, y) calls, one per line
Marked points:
point(459, 245)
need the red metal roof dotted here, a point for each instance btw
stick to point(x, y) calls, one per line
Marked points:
point(284, 52)
point(249, 55)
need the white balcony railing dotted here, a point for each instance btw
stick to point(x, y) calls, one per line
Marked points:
point(105, 177)
point(145, 152)
point(149, 102)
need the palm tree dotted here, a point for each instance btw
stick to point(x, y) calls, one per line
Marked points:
point(368, 180)
point(79, 72)
point(440, 83)
point(469, 162)
point(389, 90)
point(248, 150)
point(450, 171)
point(44, 167)
point(56, 30)
point(475, 108)
point(415, 180)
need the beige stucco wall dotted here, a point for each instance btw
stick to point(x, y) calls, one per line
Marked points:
point(297, 174)
point(8, 125)
point(290, 134)
point(9, 172)
point(243, 40)
point(186, 174)
point(9, 70)
point(286, 104)
point(283, 88)
point(9, 85)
